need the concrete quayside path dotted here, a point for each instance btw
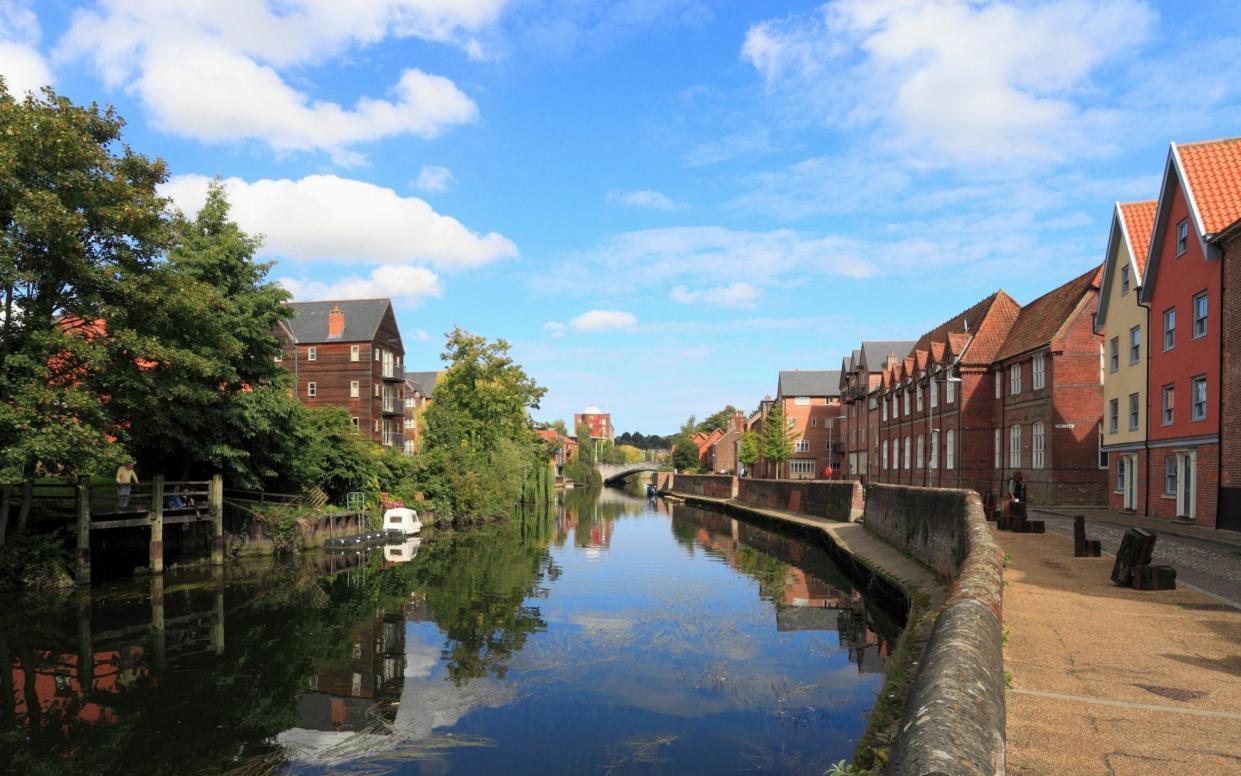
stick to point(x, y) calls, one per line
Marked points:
point(1112, 680)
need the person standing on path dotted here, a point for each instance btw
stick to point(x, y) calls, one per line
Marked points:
point(1017, 487)
point(126, 478)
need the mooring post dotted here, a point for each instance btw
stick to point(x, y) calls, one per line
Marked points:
point(82, 491)
point(157, 621)
point(217, 619)
point(86, 648)
point(216, 498)
point(157, 524)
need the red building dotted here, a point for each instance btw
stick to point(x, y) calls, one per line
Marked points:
point(419, 393)
point(810, 401)
point(348, 354)
point(1229, 515)
point(599, 421)
point(860, 375)
point(1199, 200)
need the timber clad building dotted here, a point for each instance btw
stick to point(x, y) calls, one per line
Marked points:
point(349, 354)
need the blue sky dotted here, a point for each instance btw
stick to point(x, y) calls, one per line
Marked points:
point(658, 203)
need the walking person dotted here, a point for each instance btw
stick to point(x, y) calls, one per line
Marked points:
point(126, 478)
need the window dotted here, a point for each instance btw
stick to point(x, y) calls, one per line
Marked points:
point(934, 459)
point(1014, 379)
point(883, 411)
point(1120, 475)
point(802, 446)
point(354, 421)
point(883, 455)
point(1198, 398)
point(312, 353)
point(1169, 328)
point(1113, 416)
point(376, 424)
point(997, 448)
point(377, 353)
point(376, 390)
point(1014, 447)
point(279, 357)
point(1103, 454)
point(1135, 344)
point(1169, 475)
point(801, 466)
point(802, 401)
point(312, 389)
point(919, 397)
point(814, 422)
point(1182, 237)
point(1114, 352)
point(921, 451)
point(951, 389)
point(934, 393)
point(355, 389)
point(1133, 412)
point(1039, 445)
point(355, 352)
point(1124, 281)
point(1200, 315)
point(1169, 404)
point(905, 394)
point(409, 423)
point(908, 452)
point(998, 389)
point(950, 460)
point(1040, 371)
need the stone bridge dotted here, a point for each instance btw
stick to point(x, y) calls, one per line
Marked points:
point(611, 472)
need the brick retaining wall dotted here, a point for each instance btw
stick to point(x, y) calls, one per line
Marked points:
point(835, 500)
point(706, 485)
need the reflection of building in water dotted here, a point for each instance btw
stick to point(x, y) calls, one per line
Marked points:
point(62, 680)
point(348, 695)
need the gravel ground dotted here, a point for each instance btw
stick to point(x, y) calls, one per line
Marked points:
point(1211, 567)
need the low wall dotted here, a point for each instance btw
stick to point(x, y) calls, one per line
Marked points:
point(706, 485)
point(835, 500)
point(662, 481)
point(954, 716)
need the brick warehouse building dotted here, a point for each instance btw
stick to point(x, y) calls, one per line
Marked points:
point(1049, 395)
point(1230, 396)
point(1200, 198)
point(860, 375)
point(810, 401)
point(1125, 327)
point(348, 354)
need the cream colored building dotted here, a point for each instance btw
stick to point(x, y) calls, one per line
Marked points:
point(1126, 331)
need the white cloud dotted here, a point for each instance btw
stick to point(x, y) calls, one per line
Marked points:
point(652, 200)
point(22, 66)
point(324, 217)
point(554, 328)
point(409, 285)
point(211, 71)
point(433, 179)
point(603, 320)
point(420, 335)
point(975, 81)
point(733, 295)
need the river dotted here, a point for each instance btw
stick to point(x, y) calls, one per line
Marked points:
point(611, 635)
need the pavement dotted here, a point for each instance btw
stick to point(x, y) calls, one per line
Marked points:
point(1111, 680)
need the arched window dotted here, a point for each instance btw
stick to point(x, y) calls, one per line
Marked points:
point(1014, 447)
point(934, 458)
point(1038, 442)
point(921, 451)
point(908, 452)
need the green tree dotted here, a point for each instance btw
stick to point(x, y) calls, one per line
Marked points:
point(747, 449)
point(685, 449)
point(776, 444)
point(630, 454)
point(718, 421)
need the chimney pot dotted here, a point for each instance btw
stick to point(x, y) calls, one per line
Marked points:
point(335, 322)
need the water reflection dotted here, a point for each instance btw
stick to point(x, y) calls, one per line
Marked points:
point(667, 639)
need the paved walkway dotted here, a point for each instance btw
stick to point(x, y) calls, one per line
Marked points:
point(1110, 680)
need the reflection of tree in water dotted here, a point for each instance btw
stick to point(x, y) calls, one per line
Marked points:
point(590, 513)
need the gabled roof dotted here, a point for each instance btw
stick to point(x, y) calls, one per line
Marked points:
point(875, 352)
point(1042, 320)
point(1208, 174)
point(811, 382)
point(426, 381)
point(1132, 223)
point(362, 318)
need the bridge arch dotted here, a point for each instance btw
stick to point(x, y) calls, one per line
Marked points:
point(612, 472)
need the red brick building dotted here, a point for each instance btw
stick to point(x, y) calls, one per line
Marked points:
point(810, 401)
point(1199, 200)
point(419, 393)
point(860, 375)
point(722, 453)
point(348, 354)
point(1229, 515)
point(599, 421)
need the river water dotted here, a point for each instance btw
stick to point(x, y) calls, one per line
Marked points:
point(610, 635)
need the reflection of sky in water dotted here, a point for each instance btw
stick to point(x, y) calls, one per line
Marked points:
point(658, 657)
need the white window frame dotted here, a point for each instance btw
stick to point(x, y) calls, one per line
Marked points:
point(1198, 331)
point(1182, 237)
point(1135, 411)
point(278, 358)
point(1167, 415)
point(883, 412)
point(312, 353)
point(801, 401)
point(356, 423)
point(1014, 379)
point(1113, 416)
point(951, 388)
point(355, 389)
point(802, 446)
point(999, 448)
point(905, 401)
point(1170, 474)
point(1169, 329)
point(1114, 355)
point(1039, 372)
point(908, 453)
point(312, 389)
point(950, 453)
point(1014, 446)
point(1196, 414)
point(1135, 344)
point(921, 451)
point(883, 458)
point(355, 352)
point(933, 461)
point(1124, 281)
point(934, 393)
point(1038, 440)
point(919, 396)
point(999, 384)
point(378, 354)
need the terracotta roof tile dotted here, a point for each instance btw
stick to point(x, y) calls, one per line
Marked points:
point(1040, 320)
point(1139, 218)
point(1213, 170)
point(991, 333)
point(967, 320)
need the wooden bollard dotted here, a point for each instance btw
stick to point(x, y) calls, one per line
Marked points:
point(82, 492)
point(216, 499)
point(158, 634)
point(156, 564)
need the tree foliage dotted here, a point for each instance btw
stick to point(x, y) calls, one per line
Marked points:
point(718, 421)
point(776, 444)
point(747, 449)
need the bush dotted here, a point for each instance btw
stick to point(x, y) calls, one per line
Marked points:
point(38, 562)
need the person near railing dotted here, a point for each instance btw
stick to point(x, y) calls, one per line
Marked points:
point(126, 478)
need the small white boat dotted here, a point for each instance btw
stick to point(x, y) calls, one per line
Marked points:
point(399, 553)
point(402, 519)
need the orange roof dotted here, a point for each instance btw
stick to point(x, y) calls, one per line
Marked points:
point(1213, 171)
point(1139, 221)
point(1040, 321)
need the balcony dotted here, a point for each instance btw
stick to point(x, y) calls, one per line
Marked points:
point(391, 372)
point(392, 406)
point(393, 439)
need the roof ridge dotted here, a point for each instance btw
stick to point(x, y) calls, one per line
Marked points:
point(1213, 141)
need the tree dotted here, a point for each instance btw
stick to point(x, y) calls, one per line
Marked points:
point(685, 449)
point(747, 449)
point(777, 441)
point(630, 454)
point(718, 421)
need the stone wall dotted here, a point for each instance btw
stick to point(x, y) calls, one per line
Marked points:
point(835, 500)
point(954, 716)
point(707, 485)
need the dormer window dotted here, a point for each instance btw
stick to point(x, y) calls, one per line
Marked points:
point(1182, 237)
point(1124, 281)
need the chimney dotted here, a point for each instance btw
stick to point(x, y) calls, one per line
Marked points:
point(335, 323)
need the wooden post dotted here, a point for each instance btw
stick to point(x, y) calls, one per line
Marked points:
point(216, 499)
point(157, 622)
point(157, 524)
point(86, 648)
point(83, 504)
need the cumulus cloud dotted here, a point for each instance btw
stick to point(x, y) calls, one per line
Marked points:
point(603, 320)
point(975, 81)
point(651, 200)
point(732, 295)
point(402, 284)
point(433, 179)
point(325, 217)
point(24, 69)
point(211, 71)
